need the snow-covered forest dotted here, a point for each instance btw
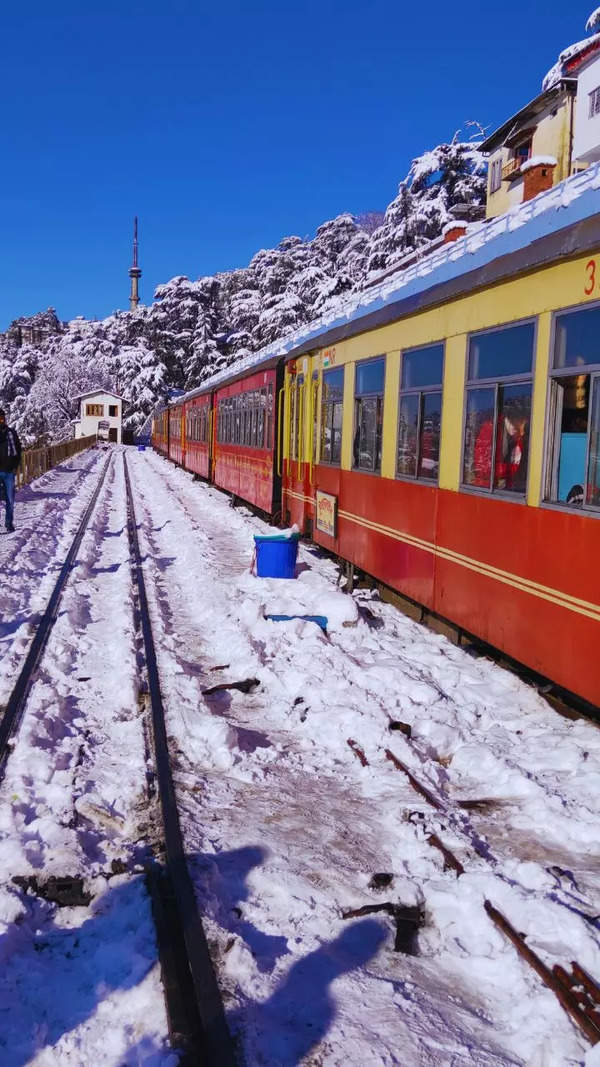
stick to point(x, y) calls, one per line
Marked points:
point(194, 328)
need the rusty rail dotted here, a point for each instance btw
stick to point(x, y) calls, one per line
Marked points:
point(416, 784)
point(563, 990)
point(36, 461)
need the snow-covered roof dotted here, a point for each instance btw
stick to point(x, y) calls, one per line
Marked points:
point(521, 118)
point(97, 392)
point(538, 161)
point(594, 21)
point(570, 58)
point(567, 203)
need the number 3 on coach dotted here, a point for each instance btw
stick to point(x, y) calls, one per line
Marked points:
point(590, 272)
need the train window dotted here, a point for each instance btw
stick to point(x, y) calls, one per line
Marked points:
point(368, 414)
point(270, 417)
point(296, 417)
point(420, 413)
point(573, 474)
point(234, 417)
point(502, 353)
point(243, 400)
point(255, 405)
point(332, 397)
point(314, 407)
point(496, 436)
point(262, 408)
point(252, 419)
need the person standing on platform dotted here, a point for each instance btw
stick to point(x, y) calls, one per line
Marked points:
point(10, 457)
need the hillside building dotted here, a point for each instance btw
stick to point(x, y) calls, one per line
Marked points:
point(100, 415)
point(555, 135)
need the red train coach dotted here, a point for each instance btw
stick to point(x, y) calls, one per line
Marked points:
point(177, 450)
point(246, 453)
point(160, 431)
point(198, 432)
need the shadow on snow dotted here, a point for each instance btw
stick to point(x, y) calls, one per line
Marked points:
point(53, 977)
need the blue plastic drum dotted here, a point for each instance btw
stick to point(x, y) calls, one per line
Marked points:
point(276, 556)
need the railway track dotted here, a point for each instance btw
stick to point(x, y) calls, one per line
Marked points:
point(190, 983)
point(195, 1012)
point(578, 992)
point(15, 705)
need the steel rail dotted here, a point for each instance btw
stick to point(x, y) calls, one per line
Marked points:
point(217, 1046)
point(13, 709)
point(587, 1016)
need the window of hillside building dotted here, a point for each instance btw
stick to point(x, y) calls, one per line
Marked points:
point(94, 409)
point(420, 413)
point(113, 411)
point(496, 175)
point(368, 414)
point(498, 409)
point(594, 103)
point(523, 152)
point(332, 404)
point(573, 472)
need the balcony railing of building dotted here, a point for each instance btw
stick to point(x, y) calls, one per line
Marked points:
point(512, 168)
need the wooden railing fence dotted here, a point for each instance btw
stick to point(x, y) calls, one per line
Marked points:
point(36, 461)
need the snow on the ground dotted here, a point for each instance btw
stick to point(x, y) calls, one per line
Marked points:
point(285, 829)
point(78, 984)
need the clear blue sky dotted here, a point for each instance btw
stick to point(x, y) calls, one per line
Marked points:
point(227, 126)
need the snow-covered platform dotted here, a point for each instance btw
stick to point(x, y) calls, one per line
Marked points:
point(284, 827)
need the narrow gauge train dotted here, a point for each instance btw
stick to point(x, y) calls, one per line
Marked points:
point(445, 439)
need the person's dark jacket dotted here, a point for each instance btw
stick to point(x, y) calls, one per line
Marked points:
point(10, 450)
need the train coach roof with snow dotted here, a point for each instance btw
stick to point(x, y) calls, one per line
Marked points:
point(99, 405)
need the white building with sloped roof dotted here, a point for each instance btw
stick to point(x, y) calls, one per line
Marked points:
point(100, 414)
